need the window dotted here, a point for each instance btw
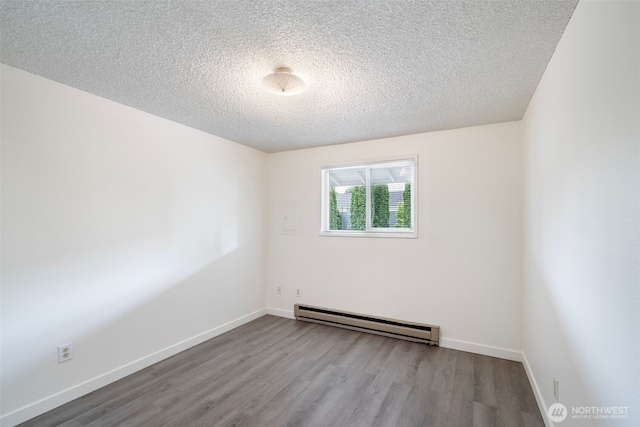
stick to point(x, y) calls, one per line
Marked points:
point(374, 199)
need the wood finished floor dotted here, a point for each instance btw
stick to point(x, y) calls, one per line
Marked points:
point(281, 372)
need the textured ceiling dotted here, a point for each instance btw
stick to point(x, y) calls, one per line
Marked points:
point(373, 69)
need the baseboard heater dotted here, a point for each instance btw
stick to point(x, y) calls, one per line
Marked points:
point(417, 332)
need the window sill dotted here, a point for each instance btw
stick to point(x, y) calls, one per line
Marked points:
point(369, 234)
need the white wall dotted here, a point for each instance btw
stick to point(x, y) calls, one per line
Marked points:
point(123, 232)
point(582, 215)
point(463, 272)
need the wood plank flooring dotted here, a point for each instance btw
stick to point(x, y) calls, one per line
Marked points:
point(281, 372)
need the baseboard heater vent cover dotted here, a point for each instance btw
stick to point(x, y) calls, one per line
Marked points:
point(417, 332)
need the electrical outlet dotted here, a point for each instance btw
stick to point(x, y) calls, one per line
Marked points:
point(279, 290)
point(65, 352)
point(298, 292)
point(556, 388)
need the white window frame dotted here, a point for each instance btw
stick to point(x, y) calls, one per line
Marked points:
point(369, 231)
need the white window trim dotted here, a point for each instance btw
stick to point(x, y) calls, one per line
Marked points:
point(411, 233)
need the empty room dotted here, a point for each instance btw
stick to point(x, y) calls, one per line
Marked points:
point(319, 213)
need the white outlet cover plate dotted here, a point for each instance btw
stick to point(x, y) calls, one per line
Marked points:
point(65, 352)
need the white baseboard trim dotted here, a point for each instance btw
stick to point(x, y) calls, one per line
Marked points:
point(281, 313)
point(501, 353)
point(486, 350)
point(40, 407)
point(536, 391)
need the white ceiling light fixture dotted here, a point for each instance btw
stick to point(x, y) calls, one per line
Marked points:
point(283, 82)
